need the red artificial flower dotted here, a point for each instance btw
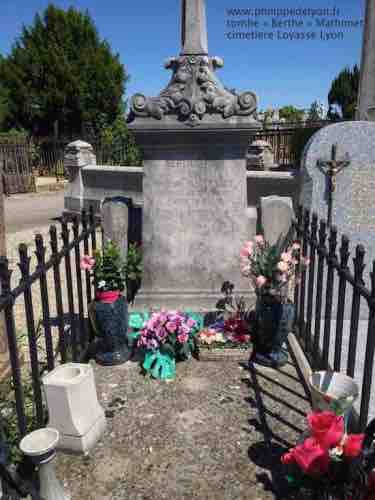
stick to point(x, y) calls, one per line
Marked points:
point(353, 445)
point(327, 428)
point(238, 328)
point(241, 338)
point(311, 457)
point(288, 458)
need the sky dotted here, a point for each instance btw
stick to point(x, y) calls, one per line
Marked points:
point(280, 71)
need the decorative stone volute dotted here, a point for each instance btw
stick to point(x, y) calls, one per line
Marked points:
point(260, 156)
point(194, 95)
point(78, 154)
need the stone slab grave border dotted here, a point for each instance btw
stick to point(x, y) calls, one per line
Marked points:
point(218, 354)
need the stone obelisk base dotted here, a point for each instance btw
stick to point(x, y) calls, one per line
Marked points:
point(195, 217)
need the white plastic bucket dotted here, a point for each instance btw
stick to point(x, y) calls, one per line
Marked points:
point(333, 391)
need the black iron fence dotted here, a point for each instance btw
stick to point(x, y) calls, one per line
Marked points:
point(335, 303)
point(58, 284)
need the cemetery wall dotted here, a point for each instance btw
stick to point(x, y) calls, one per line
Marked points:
point(98, 182)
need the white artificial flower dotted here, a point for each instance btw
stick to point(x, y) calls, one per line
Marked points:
point(101, 284)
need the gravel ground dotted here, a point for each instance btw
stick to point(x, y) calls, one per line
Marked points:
point(28, 237)
point(216, 432)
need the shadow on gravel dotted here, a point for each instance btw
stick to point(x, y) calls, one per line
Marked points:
point(282, 406)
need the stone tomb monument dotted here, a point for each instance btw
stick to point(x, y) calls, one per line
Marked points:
point(353, 210)
point(194, 136)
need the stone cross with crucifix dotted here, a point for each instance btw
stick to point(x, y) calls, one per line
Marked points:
point(331, 168)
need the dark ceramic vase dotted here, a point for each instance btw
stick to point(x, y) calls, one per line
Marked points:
point(273, 322)
point(111, 325)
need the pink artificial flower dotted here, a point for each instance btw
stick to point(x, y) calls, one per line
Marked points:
point(282, 266)
point(183, 337)
point(259, 239)
point(87, 263)
point(260, 281)
point(247, 249)
point(191, 323)
point(171, 326)
point(296, 246)
point(245, 270)
point(305, 261)
point(286, 256)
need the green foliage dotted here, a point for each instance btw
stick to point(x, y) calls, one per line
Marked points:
point(344, 92)
point(8, 412)
point(291, 114)
point(108, 268)
point(133, 267)
point(61, 75)
point(118, 143)
point(315, 112)
point(13, 136)
point(8, 415)
point(4, 104)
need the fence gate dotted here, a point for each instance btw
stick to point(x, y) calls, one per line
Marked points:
point(17, 170)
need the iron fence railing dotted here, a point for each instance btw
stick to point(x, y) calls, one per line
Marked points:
point(57, 283)
point(335, 306)
point(16, 168)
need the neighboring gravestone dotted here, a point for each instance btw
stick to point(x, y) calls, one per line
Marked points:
point(353, 213)
point(353, 209)
point(277, 216)
point(194, 136)
point(115, 221)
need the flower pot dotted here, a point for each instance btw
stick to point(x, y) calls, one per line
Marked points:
point(40, 447)
point(333, 391)
point(73, 406)
point(109, 317)
point(273, 322)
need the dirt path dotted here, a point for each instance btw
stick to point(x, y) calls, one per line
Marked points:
point(32, 211)
point(199, 437)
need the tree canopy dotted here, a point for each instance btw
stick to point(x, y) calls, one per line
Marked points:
point(315, 112)
point(291, 114)
point(60, 76)
point(344, 92)
point(4, 103)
